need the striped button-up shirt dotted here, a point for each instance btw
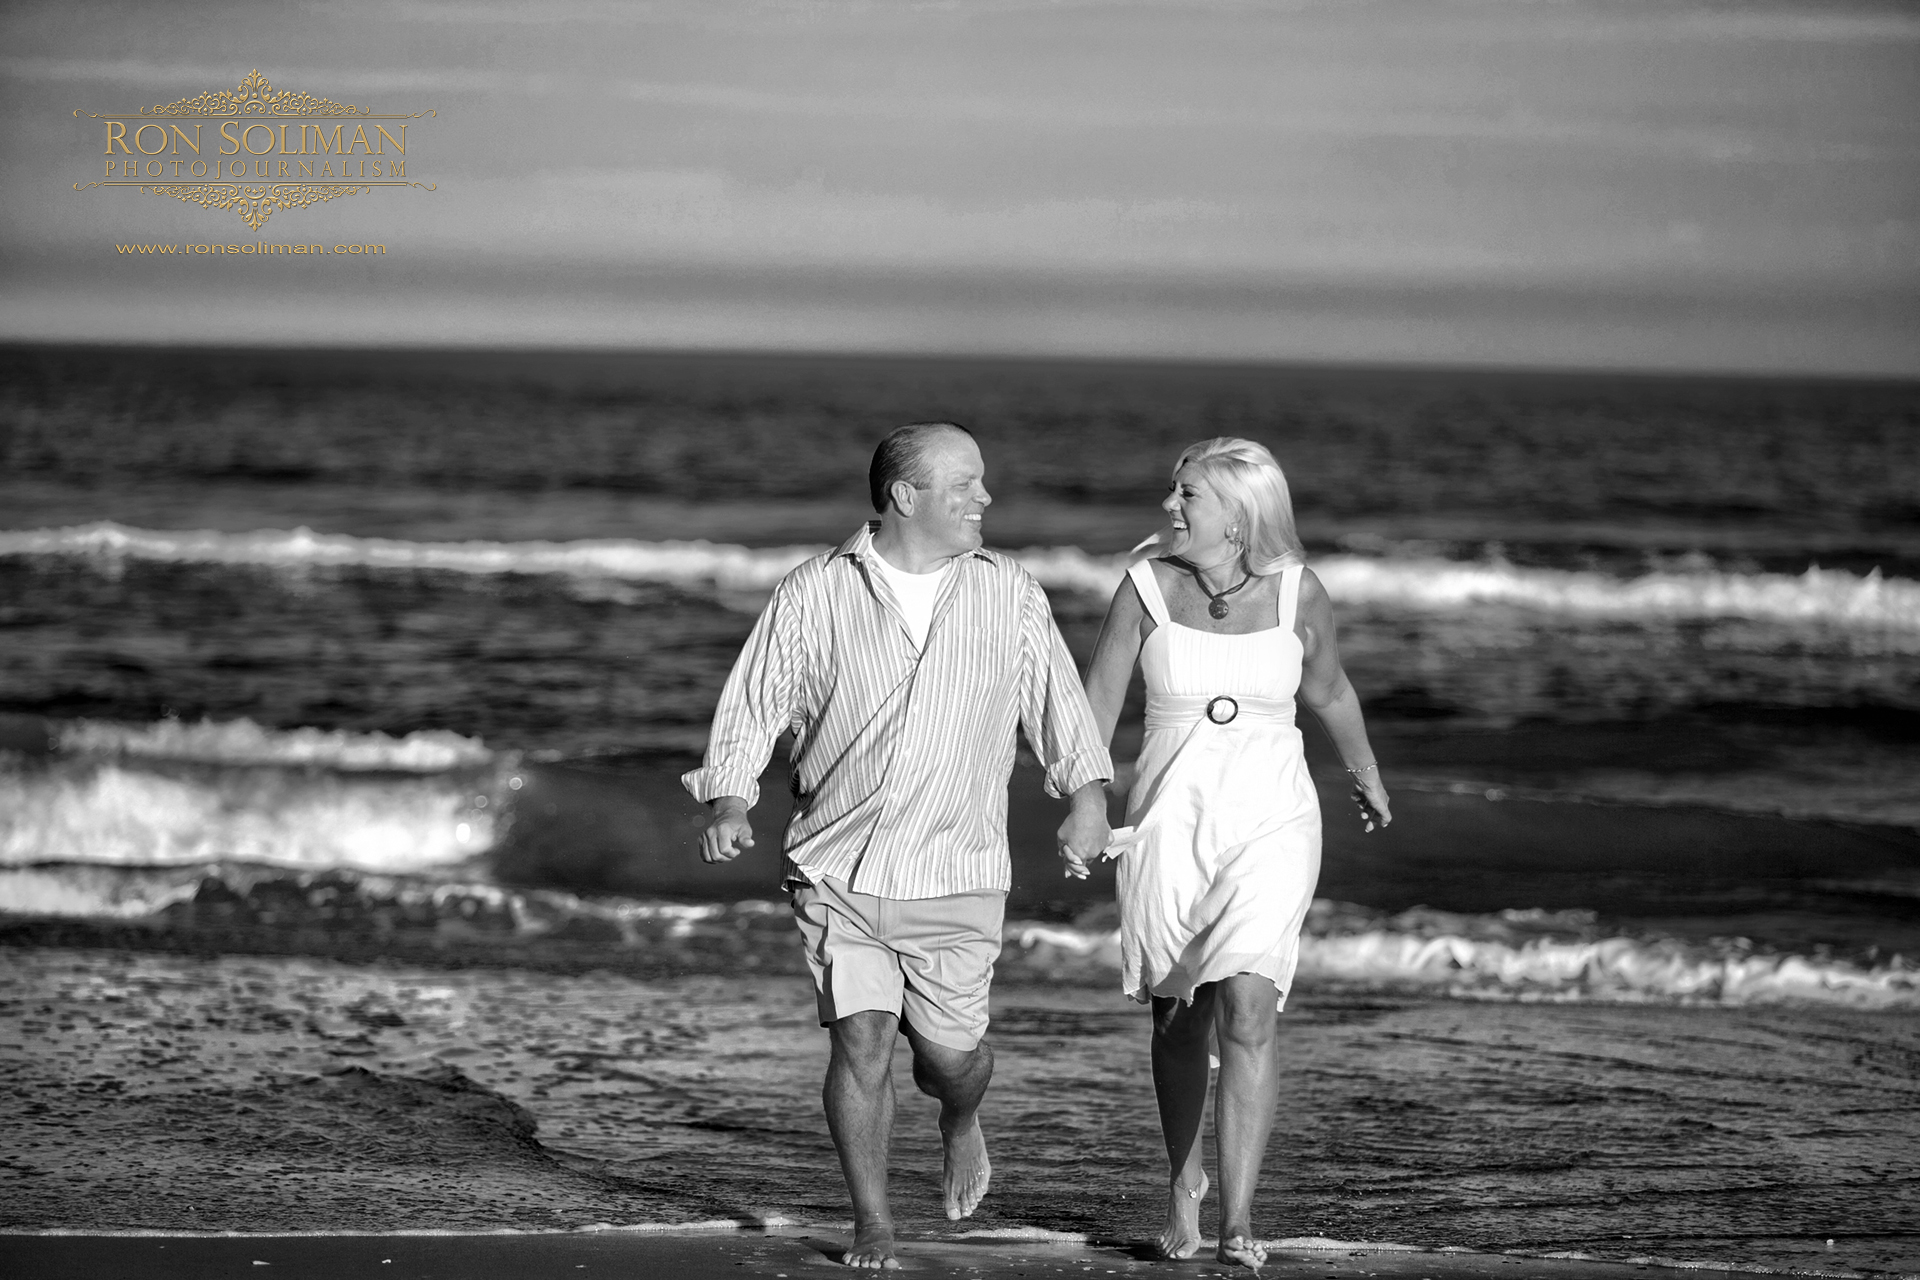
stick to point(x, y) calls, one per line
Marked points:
point(901, 755)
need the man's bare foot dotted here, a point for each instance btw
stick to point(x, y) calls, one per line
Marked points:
point(1182, 1234)
point(968, 1172)
point(872, 1248)
point(1241, 1249)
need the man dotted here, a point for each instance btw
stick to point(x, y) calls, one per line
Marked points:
point(902, 662)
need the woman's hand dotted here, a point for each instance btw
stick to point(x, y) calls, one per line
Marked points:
point(1084, 835)
point(1371, 795)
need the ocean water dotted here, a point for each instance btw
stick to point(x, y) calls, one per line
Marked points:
point(343, 698)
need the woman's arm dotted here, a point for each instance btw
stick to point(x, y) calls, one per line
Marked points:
point(1114, 655)
point(1325, 690)
point(1107, 678)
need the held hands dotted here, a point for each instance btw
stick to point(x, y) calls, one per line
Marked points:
point(728, 833)
point(1370, 794)
point(1084, 835)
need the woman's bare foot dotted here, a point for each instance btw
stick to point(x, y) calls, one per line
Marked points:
point(968, 1171)
point(872, 1248)
point(1182, 1234)
point(1241, 1249)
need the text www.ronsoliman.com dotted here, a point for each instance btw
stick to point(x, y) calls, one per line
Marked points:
point(259, 247)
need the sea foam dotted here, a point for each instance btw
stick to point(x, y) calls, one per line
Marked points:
point(244, 742)
point(137, 813)
point(175, 793)
point(1505, 956)
point(1515, 955)
point(1865, 604)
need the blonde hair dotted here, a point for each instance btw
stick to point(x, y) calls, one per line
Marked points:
point(1255, 491)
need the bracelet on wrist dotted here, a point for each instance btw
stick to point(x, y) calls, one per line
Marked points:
point(1363, 768)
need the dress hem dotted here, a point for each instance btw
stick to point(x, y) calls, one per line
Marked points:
point(1145, 994)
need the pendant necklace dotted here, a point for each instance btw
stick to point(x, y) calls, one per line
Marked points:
point(1216, 600)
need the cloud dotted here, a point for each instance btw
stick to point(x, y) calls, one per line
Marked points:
point(1278, 121)
point(1574, 21)
point(185, 79)
point(1463, 145)
point(706, 216)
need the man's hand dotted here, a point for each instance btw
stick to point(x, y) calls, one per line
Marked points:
point(728, 832)
point(1084, 835)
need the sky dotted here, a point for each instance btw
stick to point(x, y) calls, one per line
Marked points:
point(1609, 184)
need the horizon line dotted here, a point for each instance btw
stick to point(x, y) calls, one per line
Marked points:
point(15, 343)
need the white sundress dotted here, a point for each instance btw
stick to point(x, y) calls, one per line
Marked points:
point(1219, 866)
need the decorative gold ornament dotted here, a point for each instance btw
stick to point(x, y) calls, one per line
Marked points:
point(254, 204)
point(255, 97)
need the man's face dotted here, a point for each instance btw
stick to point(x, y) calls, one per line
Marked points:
point(947, 512)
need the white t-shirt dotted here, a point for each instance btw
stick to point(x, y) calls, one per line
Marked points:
point(916, 593)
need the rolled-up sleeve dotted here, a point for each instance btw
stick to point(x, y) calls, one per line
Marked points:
point(756, 705)
point(1053, 703)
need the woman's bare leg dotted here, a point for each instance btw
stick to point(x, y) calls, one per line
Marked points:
point(1180, 1037)
point(1247, 1029)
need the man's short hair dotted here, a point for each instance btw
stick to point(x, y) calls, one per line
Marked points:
point(903, 456)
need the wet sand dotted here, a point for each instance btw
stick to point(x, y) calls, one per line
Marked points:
point(145, 1091)
point(714, 1255)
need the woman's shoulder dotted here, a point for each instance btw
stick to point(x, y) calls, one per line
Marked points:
point(1313, 593)
point(1160, 569)
point(1126, 592)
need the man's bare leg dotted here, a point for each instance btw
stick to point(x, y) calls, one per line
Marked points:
point(957, 1079)
point(1181, 1033)
point(1248, 1032)
point(859, 1101)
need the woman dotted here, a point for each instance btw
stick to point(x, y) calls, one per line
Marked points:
point(1216, 875)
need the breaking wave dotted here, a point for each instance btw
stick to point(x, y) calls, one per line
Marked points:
point(244, 742)
point(178, 794)
point(1519, 955)
point(1866, 604)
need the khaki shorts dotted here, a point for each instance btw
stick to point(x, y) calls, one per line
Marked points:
point(928, 961)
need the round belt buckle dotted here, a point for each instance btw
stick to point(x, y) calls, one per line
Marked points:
point(1214, 710)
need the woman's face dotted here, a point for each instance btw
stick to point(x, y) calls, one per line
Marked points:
point(1200, 519)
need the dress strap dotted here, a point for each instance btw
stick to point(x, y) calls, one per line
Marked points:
point(1148, 586)
point(1290, 595)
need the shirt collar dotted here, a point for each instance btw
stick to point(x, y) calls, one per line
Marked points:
point(860, 545)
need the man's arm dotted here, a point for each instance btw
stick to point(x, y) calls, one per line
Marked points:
point(1061, 730)
point(755, 706)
